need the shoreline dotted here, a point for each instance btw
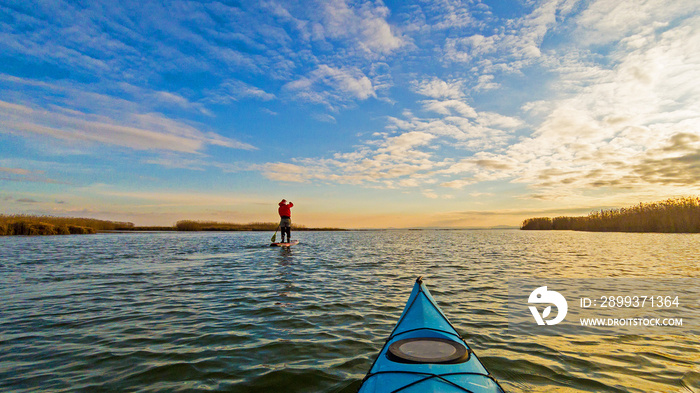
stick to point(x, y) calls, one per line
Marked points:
point(675, 215)
point(24, 225)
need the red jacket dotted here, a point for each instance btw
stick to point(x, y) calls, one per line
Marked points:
point(285, 210)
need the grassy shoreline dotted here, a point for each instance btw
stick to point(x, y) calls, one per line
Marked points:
point(27, 225)
point(676, 215)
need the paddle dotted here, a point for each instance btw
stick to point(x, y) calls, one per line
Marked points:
point(274, 237)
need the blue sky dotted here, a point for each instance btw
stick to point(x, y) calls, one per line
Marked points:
point(365, 114)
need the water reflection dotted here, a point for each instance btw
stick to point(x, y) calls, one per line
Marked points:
point(286, 270)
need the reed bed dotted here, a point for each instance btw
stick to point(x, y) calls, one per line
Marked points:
point(20, 224)
point(675, 215)
point(191, 225)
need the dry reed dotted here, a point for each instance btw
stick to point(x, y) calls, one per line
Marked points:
point(676, 215)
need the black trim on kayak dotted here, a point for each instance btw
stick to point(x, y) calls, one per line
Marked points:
point(425, 328)
point(431, 376)
point(460, 352)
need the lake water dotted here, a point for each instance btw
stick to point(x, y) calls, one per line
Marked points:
point(164, 312)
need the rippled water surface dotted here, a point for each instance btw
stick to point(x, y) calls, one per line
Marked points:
point(225, 312)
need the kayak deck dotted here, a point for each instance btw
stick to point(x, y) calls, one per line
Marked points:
point(424, 353)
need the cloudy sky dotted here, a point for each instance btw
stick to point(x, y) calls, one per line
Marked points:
point(363, 113)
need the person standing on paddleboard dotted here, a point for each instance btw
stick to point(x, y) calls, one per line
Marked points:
point(285, 211)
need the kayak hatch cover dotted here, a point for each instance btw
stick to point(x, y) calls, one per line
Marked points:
point(424, 353)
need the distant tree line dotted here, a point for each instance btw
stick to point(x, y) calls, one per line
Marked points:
point(674, 215)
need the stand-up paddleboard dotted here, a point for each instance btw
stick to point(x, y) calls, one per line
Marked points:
point(425, 353)
point(289, 244)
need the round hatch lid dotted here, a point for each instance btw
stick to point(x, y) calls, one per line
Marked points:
point(428, 350)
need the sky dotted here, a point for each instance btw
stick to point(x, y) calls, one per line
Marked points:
point(365, 114)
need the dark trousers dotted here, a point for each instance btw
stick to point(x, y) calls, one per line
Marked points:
point(286, 228)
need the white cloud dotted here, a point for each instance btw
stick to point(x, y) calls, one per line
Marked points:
point(287, 172)
point(628, 123)
point(411, 155)
point(486, 82)
point(324, 117)
point(606, 21)
point(515, 44)
point(387, 162)
point(439, 89)
point(634, 125)
point(135, 131)
point(353, 82)
point(105, 97)
point(471, 129)
point(468, 49)
point(328, 85)
point(459, 183)
point(74, 112)
point(454, 15)
point(408, 183)
point(365, 24)
point(450, 107)
point(234, 90)
point(444, 15)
